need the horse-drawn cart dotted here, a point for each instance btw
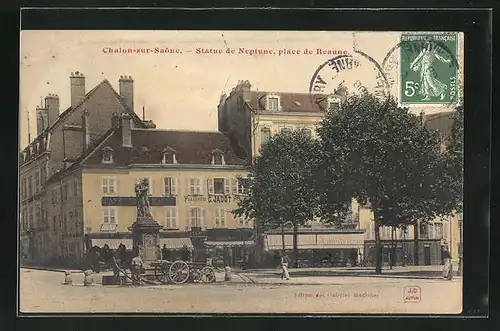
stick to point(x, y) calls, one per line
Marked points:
point(180, 272)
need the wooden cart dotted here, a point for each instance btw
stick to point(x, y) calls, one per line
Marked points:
point(180, 272)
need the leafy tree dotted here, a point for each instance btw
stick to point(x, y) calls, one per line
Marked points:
point(454, 150)
point(379, 153)
point(281, 188)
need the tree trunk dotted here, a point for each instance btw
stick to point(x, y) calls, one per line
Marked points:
point(295, 249)
point(415, 245)
point(378, 248)
point(283, 237)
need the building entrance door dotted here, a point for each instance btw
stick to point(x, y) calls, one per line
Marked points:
point(427, 255)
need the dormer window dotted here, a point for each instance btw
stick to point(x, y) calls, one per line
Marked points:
point(273, 102)
point(218, 157)
point(334, 102)
point(107, 155)
point(169, 156)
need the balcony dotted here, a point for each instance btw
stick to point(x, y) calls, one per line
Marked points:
point(109, 227)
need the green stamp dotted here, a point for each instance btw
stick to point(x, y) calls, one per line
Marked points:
point(428, 68)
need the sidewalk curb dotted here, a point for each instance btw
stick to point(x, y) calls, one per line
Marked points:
point(73, 271)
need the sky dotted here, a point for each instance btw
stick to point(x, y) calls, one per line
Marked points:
point(182, 90)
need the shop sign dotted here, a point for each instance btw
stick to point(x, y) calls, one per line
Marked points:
point(131, 201)
point(210, 198)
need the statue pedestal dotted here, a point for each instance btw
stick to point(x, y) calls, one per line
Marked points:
point(145, 234)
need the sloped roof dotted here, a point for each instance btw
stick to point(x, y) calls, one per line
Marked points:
point(290, 102)
point(192, 147)
point(69, 110)
point(440, 121)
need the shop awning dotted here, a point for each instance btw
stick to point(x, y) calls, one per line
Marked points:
point(176, 243)
point(112, 243)
point(230, 243)
point(316, 241)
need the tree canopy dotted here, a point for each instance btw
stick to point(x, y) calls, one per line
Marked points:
point(377, 152)
point(281, 189)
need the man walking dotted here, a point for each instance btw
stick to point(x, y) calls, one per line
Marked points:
point(447, 269)
point(136, 268)
point(284, 267)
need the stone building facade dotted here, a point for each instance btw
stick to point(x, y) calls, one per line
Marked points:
point(60, 138)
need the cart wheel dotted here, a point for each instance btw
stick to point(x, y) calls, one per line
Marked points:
point(161, 273)
point(207, 274)
point(178, 272)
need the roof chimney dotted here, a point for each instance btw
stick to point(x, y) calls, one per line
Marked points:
point(52, 106)
point(127, 91)
point(246, 88)
point(41, 119)
point(126, 130)
point(77, 88)
point(86, 129)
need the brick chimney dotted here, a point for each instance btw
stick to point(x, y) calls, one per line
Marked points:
point(41, 119)
point(52, 106)
point(126, 130)
point(86, 129)
point(246, 89)
point(77, 88)
point(127, 91)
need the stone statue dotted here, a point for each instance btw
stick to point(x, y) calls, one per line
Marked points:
point(141, 193)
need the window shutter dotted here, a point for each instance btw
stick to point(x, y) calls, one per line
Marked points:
point(173, 184)
point(227, 186)
point(223, 217)
point(202, 217)
point(176, 215)
point(200, 186)
point(189, 186)
point(210, 186)
point(234, 184)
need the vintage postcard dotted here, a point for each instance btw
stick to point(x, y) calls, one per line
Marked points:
point(241, 172)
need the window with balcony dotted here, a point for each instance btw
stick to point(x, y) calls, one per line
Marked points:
point(109, 219)
point(219, 186)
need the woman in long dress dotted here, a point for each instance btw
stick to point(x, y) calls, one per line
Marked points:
point(430, 85)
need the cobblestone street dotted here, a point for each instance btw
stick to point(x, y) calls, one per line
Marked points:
point(42, 291)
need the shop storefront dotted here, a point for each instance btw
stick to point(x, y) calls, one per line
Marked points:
point(317, 248)
point(401, 252)
point(230, 247)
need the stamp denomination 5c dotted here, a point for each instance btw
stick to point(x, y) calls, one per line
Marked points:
point(428, 68)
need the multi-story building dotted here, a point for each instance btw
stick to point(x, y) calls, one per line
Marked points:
point(193, 181)
point(250, 118)
point(60, 138)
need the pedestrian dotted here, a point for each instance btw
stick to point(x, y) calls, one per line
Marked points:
point(136, 268)
point(447, 269)
point(284, 267)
